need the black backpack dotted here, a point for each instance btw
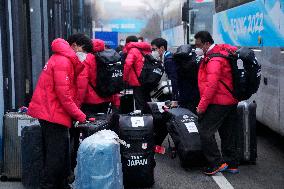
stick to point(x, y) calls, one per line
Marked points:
point(109, 73)
point(151, 73)
point(246, 72)
point(186, 63)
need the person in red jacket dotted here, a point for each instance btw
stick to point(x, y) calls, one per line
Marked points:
point(217, 108)
point(132, 70)
point(91, 101)
point(54, 103)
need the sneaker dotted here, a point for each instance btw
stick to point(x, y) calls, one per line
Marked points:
point(233, 170)
point(213, 170)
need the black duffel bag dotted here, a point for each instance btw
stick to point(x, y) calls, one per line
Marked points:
point(183, 130)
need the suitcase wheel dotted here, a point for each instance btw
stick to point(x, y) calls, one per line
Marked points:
point(3, 178)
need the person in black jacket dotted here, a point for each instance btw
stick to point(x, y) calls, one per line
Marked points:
point(187, 71)
point(160, 45)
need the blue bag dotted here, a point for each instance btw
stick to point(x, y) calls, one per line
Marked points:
point(99, 162)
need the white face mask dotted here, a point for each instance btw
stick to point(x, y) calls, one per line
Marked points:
point(82, 56)
point(122, 43)
point(199, 52)
point(156, 55)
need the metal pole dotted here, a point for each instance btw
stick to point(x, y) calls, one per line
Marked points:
point(187, 24)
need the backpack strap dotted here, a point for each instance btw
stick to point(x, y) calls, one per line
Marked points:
point(228, 58)
point(92, 86)
point(227, 87)
point(218, 55)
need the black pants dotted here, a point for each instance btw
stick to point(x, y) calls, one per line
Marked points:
point(56, 156)
point(141, 97)
point(222, 119)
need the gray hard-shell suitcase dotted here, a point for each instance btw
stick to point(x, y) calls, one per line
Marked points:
point(246, 137)
point(13, 124)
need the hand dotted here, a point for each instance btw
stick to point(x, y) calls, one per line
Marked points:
point(199, 114)
point(198, 111)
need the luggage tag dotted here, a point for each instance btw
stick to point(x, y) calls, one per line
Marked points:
point(137, 122)
point(159, 149)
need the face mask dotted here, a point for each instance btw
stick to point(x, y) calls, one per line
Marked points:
point(156, 55)
point(82, 56)
point(122, 43)
point(199, 52)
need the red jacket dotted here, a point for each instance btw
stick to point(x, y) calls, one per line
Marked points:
point(211, 72)
point(134, 61)
point(86, 94)
point(54, 98)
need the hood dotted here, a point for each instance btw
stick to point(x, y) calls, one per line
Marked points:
point(144, 46)
point(222, 49)
point(62, 47)
point(98, 45)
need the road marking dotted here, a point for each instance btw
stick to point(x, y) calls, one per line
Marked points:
point(222, 182)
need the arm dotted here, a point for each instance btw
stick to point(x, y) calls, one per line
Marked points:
point(63, 90)
point(129, 62)
point(213, 77)
point(82, 85)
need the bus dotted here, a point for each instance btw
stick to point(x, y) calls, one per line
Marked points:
point(259, 25)
point(178, 32)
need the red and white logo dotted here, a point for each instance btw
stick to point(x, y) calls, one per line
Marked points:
point(144, 146)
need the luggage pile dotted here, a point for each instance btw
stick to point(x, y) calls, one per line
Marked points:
point(125, 155)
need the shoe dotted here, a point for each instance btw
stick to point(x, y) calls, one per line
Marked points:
point(233, 170)
point(213, 170)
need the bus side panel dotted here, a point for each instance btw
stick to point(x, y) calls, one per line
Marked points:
point(258, 25)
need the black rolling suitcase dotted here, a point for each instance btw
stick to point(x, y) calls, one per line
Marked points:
point(100, 122)
point(183, 130)
point(32, 156)
point(246, 137)
point(138, 158)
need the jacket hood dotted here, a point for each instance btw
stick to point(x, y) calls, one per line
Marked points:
point(62, 47)
point(144, 46)
point(222, 49)
point(98, 45)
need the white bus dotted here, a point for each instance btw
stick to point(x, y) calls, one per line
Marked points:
point(258, 24)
